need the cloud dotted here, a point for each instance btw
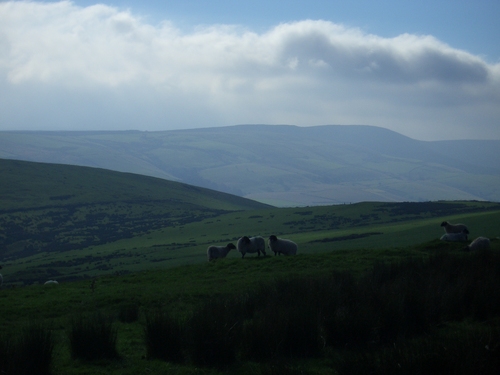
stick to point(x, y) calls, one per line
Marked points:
point(98, 67)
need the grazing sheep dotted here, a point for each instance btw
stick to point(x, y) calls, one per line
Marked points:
point(454, 228)
point(480, 243)
point(454, 237)
point(282, 246)
point(251, 245)
point(51, 282)
point(216, 252)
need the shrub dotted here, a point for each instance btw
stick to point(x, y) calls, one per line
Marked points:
point(284, 321)
point(128, 313)
point(348, 317)
point(212, 333)
point(93, 337)
point(163, 337)
point(462, 351)
point(30, 354)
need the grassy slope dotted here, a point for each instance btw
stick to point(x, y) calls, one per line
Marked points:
point(64, 222)
point(34, 185)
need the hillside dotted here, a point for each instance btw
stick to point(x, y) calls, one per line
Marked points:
point(49, 207)
point(68, 223)
point(283, 165)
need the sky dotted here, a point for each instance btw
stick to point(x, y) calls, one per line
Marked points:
point(429, 69)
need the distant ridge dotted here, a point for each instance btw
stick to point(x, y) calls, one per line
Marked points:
point(282, 165)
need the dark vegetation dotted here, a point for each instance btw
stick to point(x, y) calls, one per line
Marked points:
point(428, 314)
point(386, 321)
point(92, 337)
point(29, 352)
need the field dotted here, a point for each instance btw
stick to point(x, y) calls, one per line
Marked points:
point(158, 241)
point(372, 290)
point(132, 302)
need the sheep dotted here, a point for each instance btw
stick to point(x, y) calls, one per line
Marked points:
point(480, 243)
point(282, 246)
point(454, 237)
point(216, 252)
point(251, 245)
point(454, 228)
point(51, 282)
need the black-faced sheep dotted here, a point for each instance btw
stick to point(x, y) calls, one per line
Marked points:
point(216, 252)
point(251, 245)
point(454, 228)
point(480, 243)
point(454, 237)
point(282, 246)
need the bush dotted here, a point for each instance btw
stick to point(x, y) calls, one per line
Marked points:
point(128, 313)
point(284, 321)
point(30, 354)
point(93, 337)
point(212, 333)
point(462, 351)
point(163, 337)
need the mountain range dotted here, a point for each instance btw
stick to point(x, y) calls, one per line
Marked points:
point(282, 165)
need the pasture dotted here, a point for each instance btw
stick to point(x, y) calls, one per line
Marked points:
point(171, 244)
point(130, 301)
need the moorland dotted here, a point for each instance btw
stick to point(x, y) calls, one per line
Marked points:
point(372, 290)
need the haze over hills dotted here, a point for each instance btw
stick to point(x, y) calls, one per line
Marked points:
point(282, 165)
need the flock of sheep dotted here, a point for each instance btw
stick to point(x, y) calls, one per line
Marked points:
point(459, 232)
point(254, 245)
point(257, 244)
point(453, 232)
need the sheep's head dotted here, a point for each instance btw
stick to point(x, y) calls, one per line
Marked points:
point(444, 223)
point(273, 238)
point(230, 246)
point(245, 239)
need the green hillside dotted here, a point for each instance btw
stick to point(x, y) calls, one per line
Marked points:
point(56, 208)
point(68, 223)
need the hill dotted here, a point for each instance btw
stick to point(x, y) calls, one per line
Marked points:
point(49, 207)
point(68, 223)
point(283, 165)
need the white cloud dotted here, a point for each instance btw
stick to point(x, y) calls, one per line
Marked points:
point(68, 67)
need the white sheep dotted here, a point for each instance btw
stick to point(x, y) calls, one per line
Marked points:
point(454, 237)
point(282, 246)
point(251, 245)
point(51, 282)
point(454, 228)
point(480, 243)
point(216, 252)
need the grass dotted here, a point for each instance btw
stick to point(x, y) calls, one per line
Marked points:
point(315, 229)
point(404, 301)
